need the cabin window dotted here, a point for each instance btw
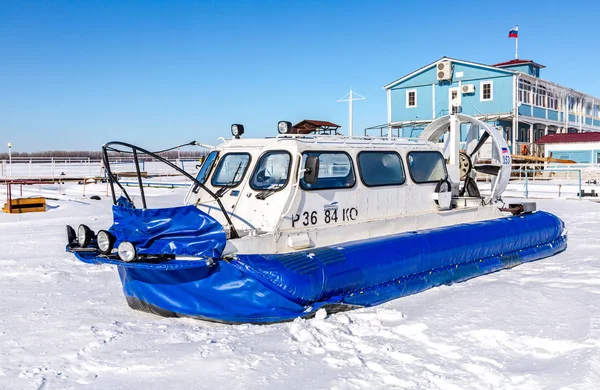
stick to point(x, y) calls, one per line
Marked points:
point(380, 169)
point(231, 170)
point(335, 171)
point(426, 167)
point(486, 90)
point(272, 171)
point(411, 98)
point(205, 169)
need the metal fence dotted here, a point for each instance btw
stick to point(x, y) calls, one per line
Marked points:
point(57, 168)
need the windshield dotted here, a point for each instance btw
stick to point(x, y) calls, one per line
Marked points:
point(207, 166)
point(272, 171)
point(231, 170)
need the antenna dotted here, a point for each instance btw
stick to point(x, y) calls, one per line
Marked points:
point(350, 97)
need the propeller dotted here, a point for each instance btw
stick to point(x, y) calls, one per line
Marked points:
point(480, 143)
point(466, 166)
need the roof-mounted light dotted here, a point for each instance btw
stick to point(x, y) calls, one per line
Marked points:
point(237, 130)
point(284, 127)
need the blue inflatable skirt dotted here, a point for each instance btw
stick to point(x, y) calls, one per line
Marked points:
point(268, 288)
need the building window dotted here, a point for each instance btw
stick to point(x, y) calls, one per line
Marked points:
point(380, 168)
point(523, 135)
point(552, 101)
point(487, 92)
point(524, 91)
point(411, 98)
point(571, 103)
point(595, 114)
point(540, 96)
point(335, 171)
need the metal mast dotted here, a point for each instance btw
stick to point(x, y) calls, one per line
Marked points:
point(350, 97)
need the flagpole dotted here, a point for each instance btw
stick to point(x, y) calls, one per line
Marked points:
point(517, 44)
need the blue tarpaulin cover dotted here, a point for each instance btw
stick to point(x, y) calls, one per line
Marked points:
point(264, 288)
point(183, 231)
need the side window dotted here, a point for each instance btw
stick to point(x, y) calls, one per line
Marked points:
point(335, 171)
point(426, 167)
point(231, 170)
point(381, 168)
point(272, 171)
point(205, 169)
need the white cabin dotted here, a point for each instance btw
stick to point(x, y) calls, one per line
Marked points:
point(365, 188)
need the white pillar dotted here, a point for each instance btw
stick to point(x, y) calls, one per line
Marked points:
point(389, 112)
point(350, 130)
point(454, 140)
point(9, 160)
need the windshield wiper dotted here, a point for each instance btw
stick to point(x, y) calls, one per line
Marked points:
point(223, 190)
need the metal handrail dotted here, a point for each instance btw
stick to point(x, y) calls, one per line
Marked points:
point(134, 150)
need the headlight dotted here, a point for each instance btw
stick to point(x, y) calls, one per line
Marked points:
point(237, 130)
point(126, 251)
point(84, 235)
point(105, 242)
point(71, 235)
point(284, 127)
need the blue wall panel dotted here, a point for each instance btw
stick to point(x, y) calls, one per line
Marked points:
point(579, 156)
point(525, 109)
point(553, 115)
point(572, 118)
point(428, 77)
point(588, 121)
point(474, 72)
point(472, 105)
point(539, 112)
point(423, 110)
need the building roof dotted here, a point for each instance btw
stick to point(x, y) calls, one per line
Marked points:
point(593, 136)
point(308, 126)
point(420, 70)
point(517, 62)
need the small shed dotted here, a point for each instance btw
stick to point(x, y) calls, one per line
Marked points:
point(583, 148)
point(308, 126)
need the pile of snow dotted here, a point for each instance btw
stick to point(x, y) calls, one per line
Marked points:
point(64, 324)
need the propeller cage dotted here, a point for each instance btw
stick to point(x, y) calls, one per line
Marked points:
point(465, 160)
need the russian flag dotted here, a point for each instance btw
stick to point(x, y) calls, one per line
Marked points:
point(514, 33)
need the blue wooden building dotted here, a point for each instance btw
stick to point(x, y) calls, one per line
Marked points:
point(511, 95)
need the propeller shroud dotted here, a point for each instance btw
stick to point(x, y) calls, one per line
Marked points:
point(500, 151)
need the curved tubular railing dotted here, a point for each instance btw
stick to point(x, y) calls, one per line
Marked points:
point(112, 179)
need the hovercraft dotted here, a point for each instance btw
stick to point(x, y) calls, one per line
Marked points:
point(277, 228)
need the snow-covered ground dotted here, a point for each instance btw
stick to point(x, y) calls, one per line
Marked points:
point(65, 324)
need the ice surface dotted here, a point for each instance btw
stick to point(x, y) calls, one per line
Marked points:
point(66, 325)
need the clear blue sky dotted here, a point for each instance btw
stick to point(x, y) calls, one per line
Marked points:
point(76, 74)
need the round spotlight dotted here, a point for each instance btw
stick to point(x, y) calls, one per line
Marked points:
point(237, 130)
point(106, 241)
point(126, 251)
point(284, 127)
point(71, 236)
point(84, 235)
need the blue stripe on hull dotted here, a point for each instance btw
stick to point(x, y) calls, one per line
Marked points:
point(273, 288)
